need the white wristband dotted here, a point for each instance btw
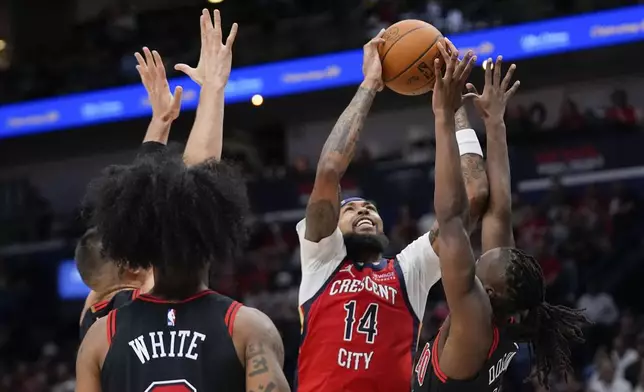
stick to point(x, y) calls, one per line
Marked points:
point(468, 142)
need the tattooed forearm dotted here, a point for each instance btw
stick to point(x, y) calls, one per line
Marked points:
point(340, 145)
point(271, 387)
point(461, 119)
point(472, 168)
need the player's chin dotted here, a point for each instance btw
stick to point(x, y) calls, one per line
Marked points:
point(366, 230)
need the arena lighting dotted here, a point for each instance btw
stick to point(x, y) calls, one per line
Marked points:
point(3, 45)
point(215, 1)
point(324, 72)
point(257, 100)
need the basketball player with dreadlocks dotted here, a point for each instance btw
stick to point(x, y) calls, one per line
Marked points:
point(475, 344)
point(177, 219)
point(360, 311)
point(114, 286)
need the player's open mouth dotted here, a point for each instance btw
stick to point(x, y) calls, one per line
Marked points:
point(365, 222)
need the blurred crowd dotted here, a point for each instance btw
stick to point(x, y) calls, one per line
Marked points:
point(98, 52)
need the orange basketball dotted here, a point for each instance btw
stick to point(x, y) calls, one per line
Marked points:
point(408, 55)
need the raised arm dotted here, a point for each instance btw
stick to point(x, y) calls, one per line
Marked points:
point(263, 351)
point(473, 171)
point(212, 73)
point(497, 220)
point(470, 324)
point(450, 198)
point(323, 209)
point(165, 105)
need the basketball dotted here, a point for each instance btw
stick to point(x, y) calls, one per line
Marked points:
point(407, 56)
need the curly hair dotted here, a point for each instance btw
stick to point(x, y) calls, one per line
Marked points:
point(159, 213)
point(549, 329)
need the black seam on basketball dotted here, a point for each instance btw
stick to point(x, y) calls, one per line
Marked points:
point(415, 61)
point(399, 38)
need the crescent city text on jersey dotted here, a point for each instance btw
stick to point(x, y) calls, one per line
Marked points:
point(356, 360)
point(343, 286)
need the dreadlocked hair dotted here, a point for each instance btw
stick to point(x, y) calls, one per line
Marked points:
point(549, 329)
point(159, 213)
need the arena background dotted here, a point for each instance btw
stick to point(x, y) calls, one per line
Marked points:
point(575, 134)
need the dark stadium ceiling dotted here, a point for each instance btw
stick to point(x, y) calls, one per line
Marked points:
point(87, 9)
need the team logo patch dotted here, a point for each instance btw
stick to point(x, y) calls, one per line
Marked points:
point(423, 362)
point(171, 386)
point(172, 317)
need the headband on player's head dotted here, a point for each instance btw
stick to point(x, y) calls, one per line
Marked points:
point(349, 200)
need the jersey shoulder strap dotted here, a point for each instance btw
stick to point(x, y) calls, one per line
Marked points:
point(231, 314)
point(111, 326)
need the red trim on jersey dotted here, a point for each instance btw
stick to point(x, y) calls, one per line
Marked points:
point(135, 294)
point(495, 342)
point(231, 313)
point(111, 326)
point(99, 305)
point(437, 370)
point(149, 298)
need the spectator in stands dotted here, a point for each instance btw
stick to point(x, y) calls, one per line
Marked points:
point(606, 379)
point(404, 232)
point(538, 116)
point(623, 355)
point(633, 372)
point(569, 116)
point(621, 111)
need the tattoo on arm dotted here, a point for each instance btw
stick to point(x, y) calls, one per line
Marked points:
point(472, 168)
point(344, 136)
point(265, 388)
point(461, 120)
point(433, 235)
point(256, 359)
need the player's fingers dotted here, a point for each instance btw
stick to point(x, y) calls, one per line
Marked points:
point(468, 69)
point(471, 89)
point(512, 90)
point(497, 70)
point(380, 34)
point(186, 69)
point(508, 77)
point(488, 72)
point(142, 74)
point(438, 77)
point(217, 29)
point(176, 98)
point(149, 59)
point(468, 96)
point(450, 46)
point(160, 67)
point(139, 59)
point(462, 65)
point(230, 41)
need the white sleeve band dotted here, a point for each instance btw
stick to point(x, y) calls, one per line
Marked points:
point(468, 142)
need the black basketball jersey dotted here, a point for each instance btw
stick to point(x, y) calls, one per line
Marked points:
point(101, 309)
point(161, 346)
point(429, 378)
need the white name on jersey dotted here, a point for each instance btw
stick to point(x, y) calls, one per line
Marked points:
point(501, 366)
point(343, 286)
point(351, 360)
point(160, 344)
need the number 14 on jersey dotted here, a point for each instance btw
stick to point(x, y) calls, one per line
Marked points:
point(367, 324)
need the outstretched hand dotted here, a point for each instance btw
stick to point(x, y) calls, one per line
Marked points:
point(165, 105)
point(449, 85)
point(371, 65)
point(492, 103)
point(215, 60)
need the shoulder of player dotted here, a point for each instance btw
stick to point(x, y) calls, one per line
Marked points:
point(253, 327)
point(96, 343)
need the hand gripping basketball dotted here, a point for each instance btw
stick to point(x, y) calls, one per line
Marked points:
point(448, 88)
point(371, 66)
